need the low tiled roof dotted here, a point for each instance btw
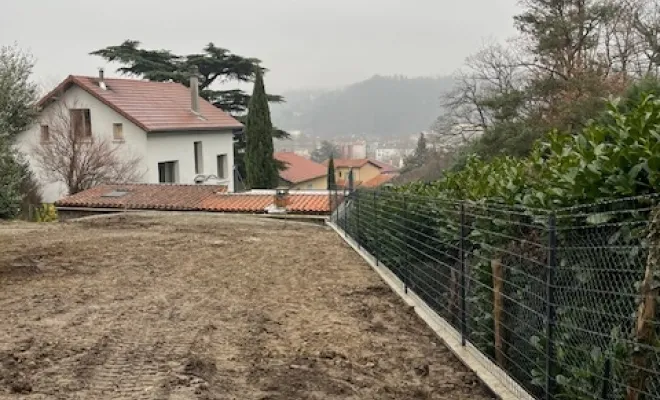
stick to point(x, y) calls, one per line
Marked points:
point(343, 183)
point(153, 106)
point(144, 197)
point(348, 162)
point(192, 198)
point(360, 162)
point(299, 169)
point(298, 203)
point(378, 180)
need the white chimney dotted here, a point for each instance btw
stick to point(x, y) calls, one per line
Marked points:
point(194, 90)
point(102, 84)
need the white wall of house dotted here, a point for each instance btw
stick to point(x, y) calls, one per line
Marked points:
point(102, 119)
point(180, 147)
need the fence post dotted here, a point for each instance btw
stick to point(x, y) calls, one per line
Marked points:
point(463, 278)
point(406, 251)
point(550, 309)
point(605, 393)
point(377, 227)
point(347, 198)
point(357, 220)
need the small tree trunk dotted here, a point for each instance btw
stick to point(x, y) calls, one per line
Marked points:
point(498, 308)
point(645, 329)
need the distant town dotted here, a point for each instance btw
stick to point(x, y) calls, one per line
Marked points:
point(391, 150)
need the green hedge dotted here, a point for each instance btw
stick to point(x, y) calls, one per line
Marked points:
point(415, 230)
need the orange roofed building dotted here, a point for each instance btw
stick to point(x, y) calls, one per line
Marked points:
point(302, 173)
point(366, 172)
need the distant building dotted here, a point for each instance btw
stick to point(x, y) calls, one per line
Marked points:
point(366, 172)
point(384, 154)
point(303, 153)
point(352, 151)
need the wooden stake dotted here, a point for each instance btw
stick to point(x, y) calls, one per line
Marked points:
point(645, 329)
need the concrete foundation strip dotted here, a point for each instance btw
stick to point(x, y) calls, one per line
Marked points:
point(498, 381)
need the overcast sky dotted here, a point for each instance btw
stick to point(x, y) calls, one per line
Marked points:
point(305, 43)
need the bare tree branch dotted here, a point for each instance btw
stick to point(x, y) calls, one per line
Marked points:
point(82, 161)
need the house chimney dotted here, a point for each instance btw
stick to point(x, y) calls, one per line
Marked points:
point(281, 198)
point(102, 79)
point(194, 90)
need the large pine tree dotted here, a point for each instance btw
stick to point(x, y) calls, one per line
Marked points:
point(261, 167)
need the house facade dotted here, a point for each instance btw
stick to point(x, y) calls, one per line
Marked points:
point(366, 172)
point(363, 169)
point(177, 136)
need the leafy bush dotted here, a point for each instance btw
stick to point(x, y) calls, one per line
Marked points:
point(45, 213)
point(11, 176)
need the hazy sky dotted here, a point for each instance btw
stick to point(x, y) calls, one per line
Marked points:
point(305, 43)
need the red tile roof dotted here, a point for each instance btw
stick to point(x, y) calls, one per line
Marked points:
point(192, 198)
point(384, 167)
point(378, 180)
point(343, 183)
point(298, 203)
point(144, 197)
point(348, 162)
point(300, 169)
point(153, 106)
point(360, 162)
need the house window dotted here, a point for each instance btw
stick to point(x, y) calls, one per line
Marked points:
point(118, 132)
point(45, 133)
point(167, 172)
point(222, 166)
point(81, 122)
point(340, 174)
point(199, 160)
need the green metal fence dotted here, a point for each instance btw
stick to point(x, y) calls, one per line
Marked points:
point(562, 300)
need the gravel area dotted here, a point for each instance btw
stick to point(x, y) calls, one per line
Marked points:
point(193, 306)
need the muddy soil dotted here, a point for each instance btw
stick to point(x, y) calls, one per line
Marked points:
point(188, 306)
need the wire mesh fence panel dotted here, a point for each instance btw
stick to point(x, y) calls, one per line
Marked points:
point(603, 251)
point(507, 254)
point(563, 301)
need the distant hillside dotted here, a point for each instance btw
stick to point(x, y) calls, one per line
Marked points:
point(381, 106)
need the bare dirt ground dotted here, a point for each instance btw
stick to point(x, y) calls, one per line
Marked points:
point(185, 306)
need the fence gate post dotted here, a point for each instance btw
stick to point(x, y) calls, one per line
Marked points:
point(550, 309)
point(463, 277)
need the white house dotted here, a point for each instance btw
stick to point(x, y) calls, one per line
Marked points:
point(177, 135)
